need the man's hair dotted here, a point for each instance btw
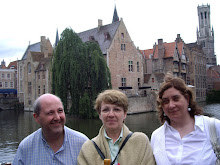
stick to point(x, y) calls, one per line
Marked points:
point(111, 97)
point(37, 103)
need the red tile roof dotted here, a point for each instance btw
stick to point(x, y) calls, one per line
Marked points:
point(12, 65)
point(169, 50)
point(146, 53)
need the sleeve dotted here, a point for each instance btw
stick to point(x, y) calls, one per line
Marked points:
point(18, 160)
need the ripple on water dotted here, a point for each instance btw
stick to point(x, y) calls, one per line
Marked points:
point(213, 109)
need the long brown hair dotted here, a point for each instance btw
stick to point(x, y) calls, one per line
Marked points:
point(179, 84)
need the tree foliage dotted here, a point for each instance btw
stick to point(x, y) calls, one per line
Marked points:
point(213, 96)
point(79, 73)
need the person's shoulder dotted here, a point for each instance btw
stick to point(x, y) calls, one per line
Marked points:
point(75, 134)
point(157, 131)
point(32, 138)
point(139, 136)
point(207, 119)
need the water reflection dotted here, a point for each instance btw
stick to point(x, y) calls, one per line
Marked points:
point(89, 127)
point(146, 122)
point(213, 110)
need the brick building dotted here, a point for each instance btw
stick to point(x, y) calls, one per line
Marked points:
point(166, 57)
point(197, 69)
point(213, 78)
point(122, 57)
point(34, 73)
point(8, 79)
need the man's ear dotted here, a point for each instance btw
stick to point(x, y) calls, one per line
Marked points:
point(36, 117)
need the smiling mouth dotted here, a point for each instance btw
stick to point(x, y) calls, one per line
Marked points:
point(56, 123)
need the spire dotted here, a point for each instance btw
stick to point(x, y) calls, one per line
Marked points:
point(212, 31)
point(115, 16)
point(57, 38)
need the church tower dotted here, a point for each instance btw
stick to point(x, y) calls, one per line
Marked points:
point(205, 34)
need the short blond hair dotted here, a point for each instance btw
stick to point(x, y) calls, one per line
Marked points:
point(111, 96)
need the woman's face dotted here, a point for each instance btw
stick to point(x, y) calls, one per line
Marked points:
point(174, 104)
point(112, 117)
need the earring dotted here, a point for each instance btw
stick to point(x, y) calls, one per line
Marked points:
point(189, 109)
point(164, 114)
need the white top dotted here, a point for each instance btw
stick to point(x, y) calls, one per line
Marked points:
point(193, 148)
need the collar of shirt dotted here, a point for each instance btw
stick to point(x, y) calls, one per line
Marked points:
point(64, 141)
point(199, 123)
point(114, 147)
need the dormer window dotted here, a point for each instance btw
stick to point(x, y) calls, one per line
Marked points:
point(122, 36)
point(107, 36)
point(91, 38)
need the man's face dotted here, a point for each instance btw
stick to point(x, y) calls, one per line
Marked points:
point(52, 117)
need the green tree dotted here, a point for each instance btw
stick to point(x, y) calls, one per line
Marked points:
point(79, 73)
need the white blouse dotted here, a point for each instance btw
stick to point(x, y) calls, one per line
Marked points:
point(193, 148)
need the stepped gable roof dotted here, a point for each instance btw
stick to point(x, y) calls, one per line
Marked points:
point(37, 56)
point(12, 65)
point(43, 64)
point(103, 35)
point(34, 48)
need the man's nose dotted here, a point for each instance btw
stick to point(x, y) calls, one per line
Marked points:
point(56, 116)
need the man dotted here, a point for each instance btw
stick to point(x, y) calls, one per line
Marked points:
point(53, 143)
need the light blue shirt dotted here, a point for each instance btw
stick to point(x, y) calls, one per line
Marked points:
point(114, 147)
point(34, 150)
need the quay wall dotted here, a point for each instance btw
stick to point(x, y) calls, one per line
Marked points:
point(8, 103)
point(141, 104)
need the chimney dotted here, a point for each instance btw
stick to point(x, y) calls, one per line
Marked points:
point(160, 43)
point(99, 23)
point(160, 48)
point(178, 38)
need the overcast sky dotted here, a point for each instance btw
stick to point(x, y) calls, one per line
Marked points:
point(24, 21)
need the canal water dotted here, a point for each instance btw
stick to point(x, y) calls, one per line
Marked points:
point(15, 126)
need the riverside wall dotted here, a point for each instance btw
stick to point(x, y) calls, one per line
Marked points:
point(8, 103)
point(141, 104)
